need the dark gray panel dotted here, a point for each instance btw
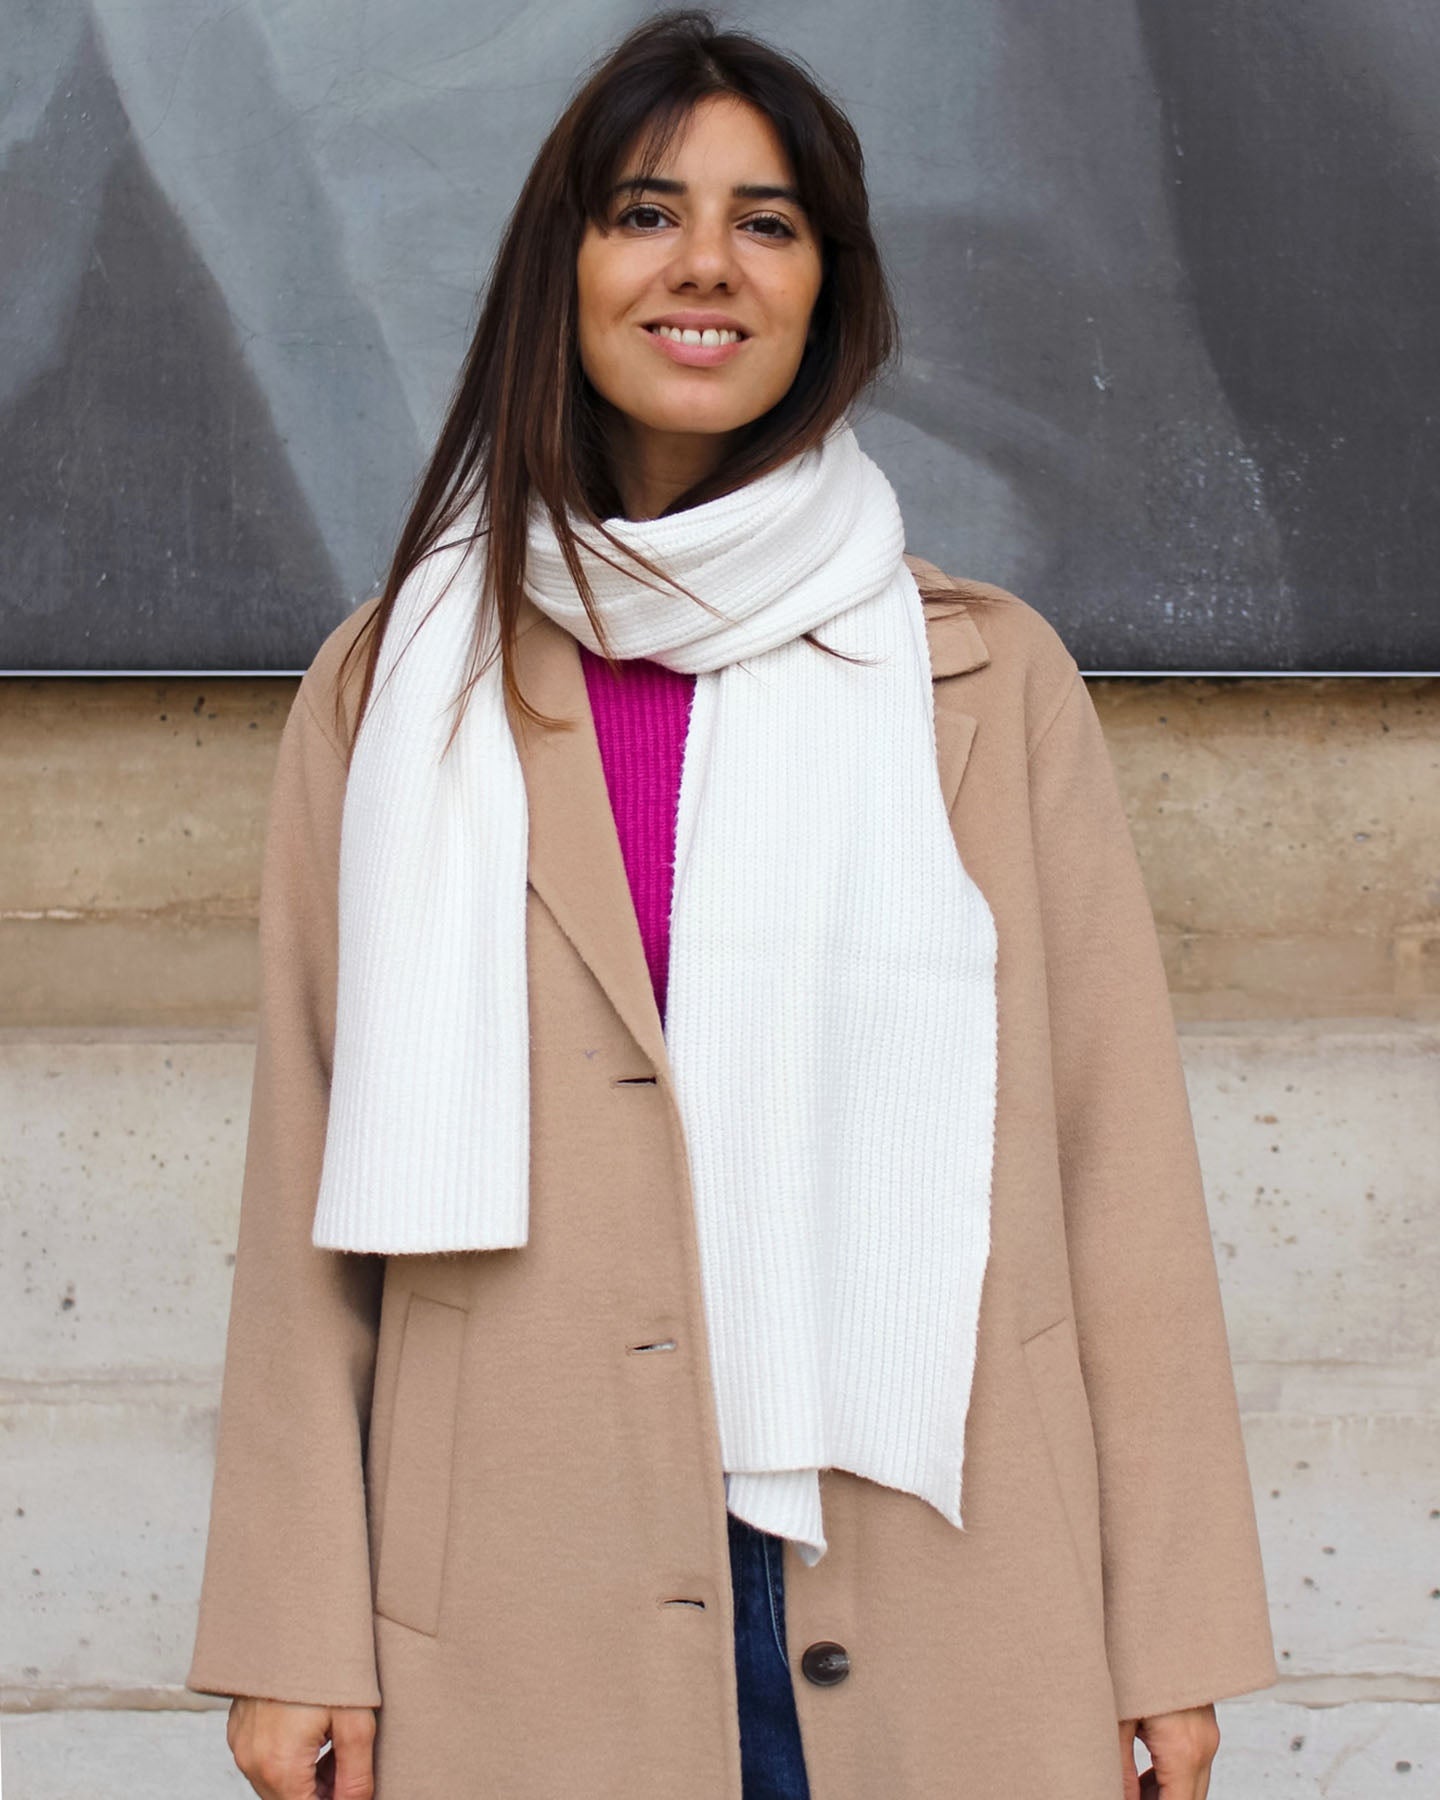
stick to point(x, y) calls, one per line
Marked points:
point(1166, 275)
point(151, 514)
point(1309, 214)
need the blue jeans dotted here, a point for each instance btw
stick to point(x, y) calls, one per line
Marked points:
point(771, 1760)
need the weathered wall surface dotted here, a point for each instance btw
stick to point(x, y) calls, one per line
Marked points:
point(1290, 833)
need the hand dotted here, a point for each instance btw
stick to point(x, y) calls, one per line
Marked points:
point(1182, 1746)
point(275, 1745)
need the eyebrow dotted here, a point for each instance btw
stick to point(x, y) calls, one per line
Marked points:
point(660, 184)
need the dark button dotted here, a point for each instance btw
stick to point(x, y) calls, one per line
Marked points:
point(825, 1664)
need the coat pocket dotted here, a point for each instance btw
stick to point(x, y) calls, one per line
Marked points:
point(1052, 1360)
point(415, 1518)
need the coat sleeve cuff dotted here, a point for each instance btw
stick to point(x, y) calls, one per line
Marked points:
point(1145, 1700)
point(338, 1685)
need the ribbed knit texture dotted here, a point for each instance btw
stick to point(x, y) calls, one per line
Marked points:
point(830, 1019)
point(641, 712)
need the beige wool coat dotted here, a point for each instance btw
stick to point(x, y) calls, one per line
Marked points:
point(481, 1493)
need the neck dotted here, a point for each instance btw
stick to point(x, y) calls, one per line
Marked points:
point(652, 467)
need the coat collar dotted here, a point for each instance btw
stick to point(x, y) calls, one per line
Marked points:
point(956, 646)
point(575, 861)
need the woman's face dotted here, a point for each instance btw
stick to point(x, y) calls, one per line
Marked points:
point(717, 240)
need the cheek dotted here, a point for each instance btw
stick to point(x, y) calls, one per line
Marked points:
point(605, 296)
point(797, 315)
point(801, 293)
point(591, 340)
point(594, 341)
point(594, 282)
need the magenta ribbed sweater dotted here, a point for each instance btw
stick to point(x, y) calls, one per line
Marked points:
point(641, 715)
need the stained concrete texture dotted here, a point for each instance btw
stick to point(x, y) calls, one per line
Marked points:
point(1321, 1146)
point(1290, 836)
point(136, 796)
point(122, 1161)
point(104, 1755)
point(1289, 832)
point(1361, 1751)
point(1351, 1543)
point(103, 1507)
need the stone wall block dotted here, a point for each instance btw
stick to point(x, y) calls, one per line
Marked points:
point(103, 1511)
point(121, 1166)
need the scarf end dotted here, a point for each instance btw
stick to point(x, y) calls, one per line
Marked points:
point(373, 1227)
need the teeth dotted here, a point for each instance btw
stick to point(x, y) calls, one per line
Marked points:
point(709, 338)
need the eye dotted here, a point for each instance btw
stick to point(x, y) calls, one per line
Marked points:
point(646, 217)
point(786, 229)
point(632, 212)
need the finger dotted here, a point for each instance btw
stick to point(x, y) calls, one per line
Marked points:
point(257, 1772)
point(1129, 1780)
point(1172, 1779)
point(295, 1783)
point(288, 1774)
point(352, 1737)
point(325, 1775)
point(264, 1788)
point(1182, 1747)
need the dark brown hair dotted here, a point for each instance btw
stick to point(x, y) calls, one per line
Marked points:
point(525, 423)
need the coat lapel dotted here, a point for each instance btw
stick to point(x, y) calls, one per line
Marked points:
point(575, 861)
point(954, 734)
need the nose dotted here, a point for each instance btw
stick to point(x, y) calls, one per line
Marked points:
point(704, 258)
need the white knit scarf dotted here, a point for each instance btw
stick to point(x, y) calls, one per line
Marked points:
point(831, 1003)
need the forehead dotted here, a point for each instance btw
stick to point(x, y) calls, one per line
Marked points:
point(721, 133)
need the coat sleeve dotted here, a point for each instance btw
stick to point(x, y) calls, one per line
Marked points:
point(1186, 1617)
point(285, 1605)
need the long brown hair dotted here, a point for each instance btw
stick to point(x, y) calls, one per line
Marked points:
point(525, 422)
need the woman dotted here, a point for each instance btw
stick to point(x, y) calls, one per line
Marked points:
point(719, 1078)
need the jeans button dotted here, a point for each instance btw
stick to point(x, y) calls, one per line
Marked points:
point(825, 1664)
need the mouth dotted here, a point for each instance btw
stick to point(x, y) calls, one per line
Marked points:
point(697, 348)
point(707, 337)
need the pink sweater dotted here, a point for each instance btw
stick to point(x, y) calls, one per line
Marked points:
point(641, 716)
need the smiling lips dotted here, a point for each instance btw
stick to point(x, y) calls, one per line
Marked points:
point(697, 348)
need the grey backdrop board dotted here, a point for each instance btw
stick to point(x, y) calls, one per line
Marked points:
point(1167, 273)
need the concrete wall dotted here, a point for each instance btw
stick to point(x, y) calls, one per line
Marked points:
point(1290, 834)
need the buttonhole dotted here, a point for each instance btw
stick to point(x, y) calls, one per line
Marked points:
point(634, 1081)
point(699, 1603)
point(663, 1344)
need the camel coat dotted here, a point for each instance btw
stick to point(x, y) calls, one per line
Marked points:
point(483, 1492)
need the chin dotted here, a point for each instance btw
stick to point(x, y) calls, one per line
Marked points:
point(690, 423)
point(687, 418)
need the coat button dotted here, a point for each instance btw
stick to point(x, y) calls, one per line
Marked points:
point(825, 1664)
